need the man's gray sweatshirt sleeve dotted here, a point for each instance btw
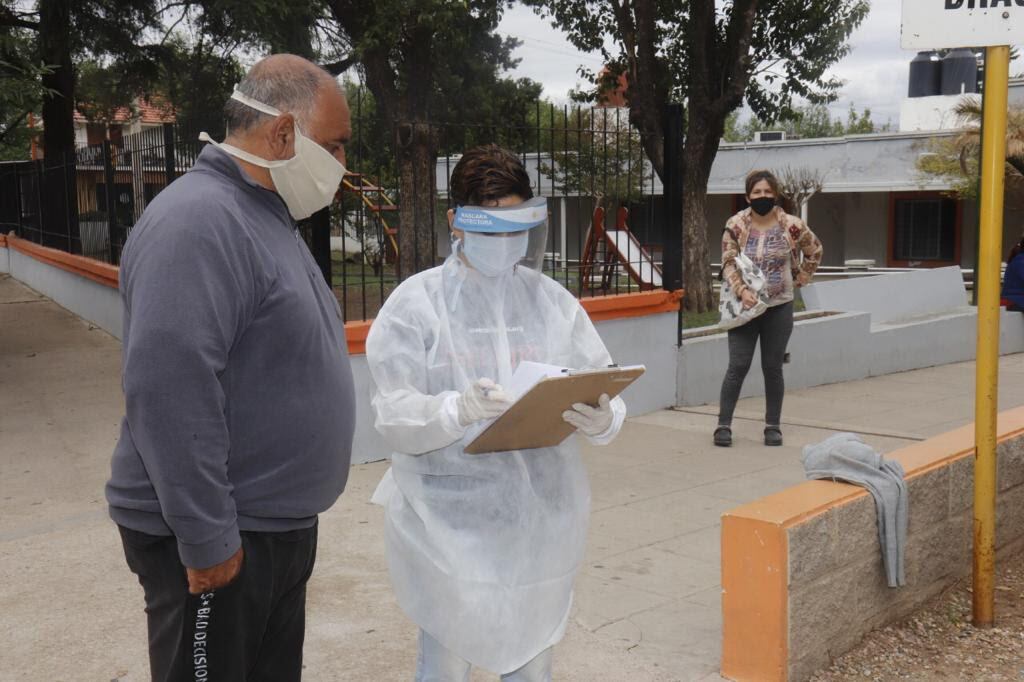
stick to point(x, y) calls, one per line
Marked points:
point(189, 294)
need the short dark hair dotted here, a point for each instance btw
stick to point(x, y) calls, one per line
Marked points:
point(756, 176)
point(782, 200)
point(488, 173)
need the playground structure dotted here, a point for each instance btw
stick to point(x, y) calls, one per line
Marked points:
point(611, 250)
point(379, 205)
point(606, 254)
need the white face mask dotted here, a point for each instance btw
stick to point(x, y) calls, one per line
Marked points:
point(493, 255)
point(306, 182)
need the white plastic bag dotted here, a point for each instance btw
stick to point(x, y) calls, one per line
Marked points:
point(730, 305)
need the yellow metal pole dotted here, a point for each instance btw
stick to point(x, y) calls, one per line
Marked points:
point(990, 243)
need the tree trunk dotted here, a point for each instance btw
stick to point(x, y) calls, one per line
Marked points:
point(416, 145)
point(59, 219)
point(58, 106)
point(696, 255)
point(702, 139)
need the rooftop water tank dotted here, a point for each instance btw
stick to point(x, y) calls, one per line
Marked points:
point(925, 75)
point(959, 72)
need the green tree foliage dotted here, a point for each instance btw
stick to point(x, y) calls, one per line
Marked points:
point(712, 56)
point(61, 33)
point(807, 122)
point(427, 61)
point(21, 89)
point(955, 158)
point(598, 154)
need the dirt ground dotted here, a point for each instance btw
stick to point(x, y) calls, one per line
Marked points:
point(938, 643)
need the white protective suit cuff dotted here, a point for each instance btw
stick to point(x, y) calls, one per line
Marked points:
point(618, 418)
point(450, 417)
point(385, 489)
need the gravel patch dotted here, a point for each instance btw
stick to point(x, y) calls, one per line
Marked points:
point(938, 643)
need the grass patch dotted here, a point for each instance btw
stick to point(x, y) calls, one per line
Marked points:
point(711, 317)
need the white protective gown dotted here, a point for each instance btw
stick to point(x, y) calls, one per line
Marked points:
point(482, 549)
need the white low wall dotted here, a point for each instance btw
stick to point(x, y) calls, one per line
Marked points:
point(823, 350)
point(894, 296)
point(845, 347)
point(5, 260)
point(90, 300)
point(647, 340)
point(881, 325)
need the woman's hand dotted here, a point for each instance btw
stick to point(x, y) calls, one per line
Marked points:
point(749, 299)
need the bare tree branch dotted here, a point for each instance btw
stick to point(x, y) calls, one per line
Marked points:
point(10, 19)
point(13, 125)
point(340, 66)
point(800, 184)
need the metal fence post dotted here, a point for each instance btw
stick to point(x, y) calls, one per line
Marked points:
point(169, 152)
point(38, 187)
point(69, 170)
point(672, 181)
point(320, 241)
point(110, 196)
point(19, 200)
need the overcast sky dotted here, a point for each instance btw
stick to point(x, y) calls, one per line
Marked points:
point(875, 72)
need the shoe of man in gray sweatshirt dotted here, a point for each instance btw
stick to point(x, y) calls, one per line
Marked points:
point(238, 390)
point(845, 457)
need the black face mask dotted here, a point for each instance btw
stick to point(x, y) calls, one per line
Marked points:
point(762, 205)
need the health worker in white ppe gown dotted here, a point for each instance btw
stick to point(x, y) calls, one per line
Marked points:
point(483, 549)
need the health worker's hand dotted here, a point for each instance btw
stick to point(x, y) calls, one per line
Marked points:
point(483, 400)
point(588, 420)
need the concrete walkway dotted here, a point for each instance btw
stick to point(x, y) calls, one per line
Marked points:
point(647, 602)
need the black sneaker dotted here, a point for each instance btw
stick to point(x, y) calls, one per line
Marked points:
point(723, 436)
point(772, 436)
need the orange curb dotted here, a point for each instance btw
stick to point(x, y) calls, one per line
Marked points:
point(631, 305)
point(599, 309)
point(755, 571)
point(97, 271)
point(3, 241)
point(355, 334)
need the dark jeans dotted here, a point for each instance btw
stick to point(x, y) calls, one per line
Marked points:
point(250, 630)
point(773, 328)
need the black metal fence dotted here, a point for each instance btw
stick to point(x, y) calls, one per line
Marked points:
point(581, 159)
point(610, 228)
point(87, 202)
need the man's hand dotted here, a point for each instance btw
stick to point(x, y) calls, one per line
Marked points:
point(205, 579)
point(749, 299)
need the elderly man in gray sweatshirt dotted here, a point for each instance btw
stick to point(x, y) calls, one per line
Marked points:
point(238, 389)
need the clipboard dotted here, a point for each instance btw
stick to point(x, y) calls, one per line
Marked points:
point(535, 420)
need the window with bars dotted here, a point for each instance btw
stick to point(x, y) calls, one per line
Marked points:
point(925, 229)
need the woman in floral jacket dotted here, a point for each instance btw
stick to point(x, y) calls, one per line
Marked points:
point(788, 253)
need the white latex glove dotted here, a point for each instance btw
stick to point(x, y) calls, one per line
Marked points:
point(483, 400)
point(591, 421)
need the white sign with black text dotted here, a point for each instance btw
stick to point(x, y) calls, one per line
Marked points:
point(934, 24)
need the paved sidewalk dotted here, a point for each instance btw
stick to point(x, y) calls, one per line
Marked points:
point(647, 602)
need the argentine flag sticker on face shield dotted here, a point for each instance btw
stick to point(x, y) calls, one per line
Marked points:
point(524, 216)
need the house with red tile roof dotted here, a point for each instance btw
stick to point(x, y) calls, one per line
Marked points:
point(143, 114)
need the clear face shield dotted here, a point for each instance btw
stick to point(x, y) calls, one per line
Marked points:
point(499, 238)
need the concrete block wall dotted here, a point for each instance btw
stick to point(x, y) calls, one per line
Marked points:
point(5, 257)
point(820, 585)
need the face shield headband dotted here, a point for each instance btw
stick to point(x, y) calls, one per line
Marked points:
point(497, 219)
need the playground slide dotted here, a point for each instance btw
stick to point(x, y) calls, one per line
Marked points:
point(630, 251)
